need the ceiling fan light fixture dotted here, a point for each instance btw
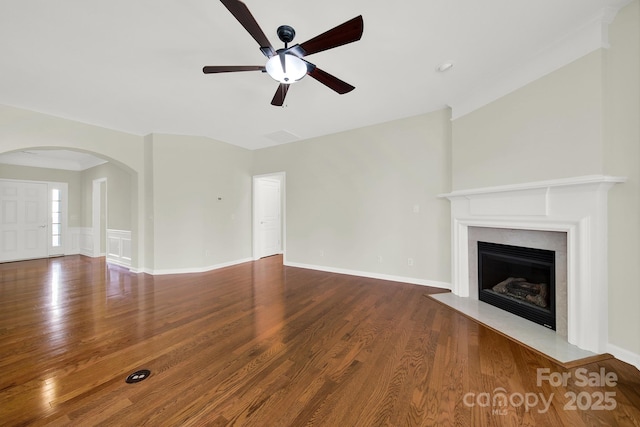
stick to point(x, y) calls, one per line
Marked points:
point(295, 67)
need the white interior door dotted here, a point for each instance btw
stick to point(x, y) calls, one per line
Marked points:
point(269, 223)
point(23, 220)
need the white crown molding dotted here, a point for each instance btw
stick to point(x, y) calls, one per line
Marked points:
point(592, 35)
point(560, 182)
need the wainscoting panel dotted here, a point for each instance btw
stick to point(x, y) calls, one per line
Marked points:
point(83, 236)
point(119, 247)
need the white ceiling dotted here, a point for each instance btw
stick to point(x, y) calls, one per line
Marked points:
point(136, 65)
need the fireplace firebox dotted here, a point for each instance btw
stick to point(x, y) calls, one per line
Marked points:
point(519, 280)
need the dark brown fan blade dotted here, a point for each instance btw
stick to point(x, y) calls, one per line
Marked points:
point(244, 16)
point(330, 81)
point(281, 93)
point(231, 68)
point(348, 32)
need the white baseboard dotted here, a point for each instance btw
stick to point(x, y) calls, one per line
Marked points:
point(368, 274)
point(80, 241)
point(160, 272)
point(119, 263)
point(75, 240)
point(402, 279)
point(624, 355)
point(256, 258)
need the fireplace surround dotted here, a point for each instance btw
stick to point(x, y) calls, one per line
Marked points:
point(576, 207)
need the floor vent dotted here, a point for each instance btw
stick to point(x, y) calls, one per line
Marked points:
point(138, 376)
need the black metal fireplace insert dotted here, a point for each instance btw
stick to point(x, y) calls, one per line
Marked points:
point(519, 280)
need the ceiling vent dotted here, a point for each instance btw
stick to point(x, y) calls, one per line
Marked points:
point(282, 137)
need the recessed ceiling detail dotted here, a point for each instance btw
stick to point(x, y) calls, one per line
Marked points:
point(52, 159)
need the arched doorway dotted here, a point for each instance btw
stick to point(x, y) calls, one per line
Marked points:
point(77, 212)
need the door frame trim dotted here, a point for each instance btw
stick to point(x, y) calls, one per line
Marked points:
point(96, 210)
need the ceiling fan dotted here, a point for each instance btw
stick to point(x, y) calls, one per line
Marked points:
point(286, 65)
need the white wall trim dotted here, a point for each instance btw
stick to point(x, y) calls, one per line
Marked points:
point(118, 247)
point(592, 35)
point(85, 240)
point(159, 272)
point(370, 275)
point(72, 246)
point(97, 208)
point(551, 183)
point(401, 279)
point(624, 355)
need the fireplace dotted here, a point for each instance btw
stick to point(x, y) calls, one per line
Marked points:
point(576, 206)
point(519, 280)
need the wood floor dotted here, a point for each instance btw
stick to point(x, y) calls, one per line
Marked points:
point(265, 345)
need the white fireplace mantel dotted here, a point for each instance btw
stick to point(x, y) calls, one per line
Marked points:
point(577, 206)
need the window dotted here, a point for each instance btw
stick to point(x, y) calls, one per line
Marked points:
point(56, 218)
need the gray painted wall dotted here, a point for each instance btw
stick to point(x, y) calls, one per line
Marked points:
point(350, 198)
point(201, 202)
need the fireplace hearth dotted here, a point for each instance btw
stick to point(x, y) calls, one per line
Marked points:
point(519, 280)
